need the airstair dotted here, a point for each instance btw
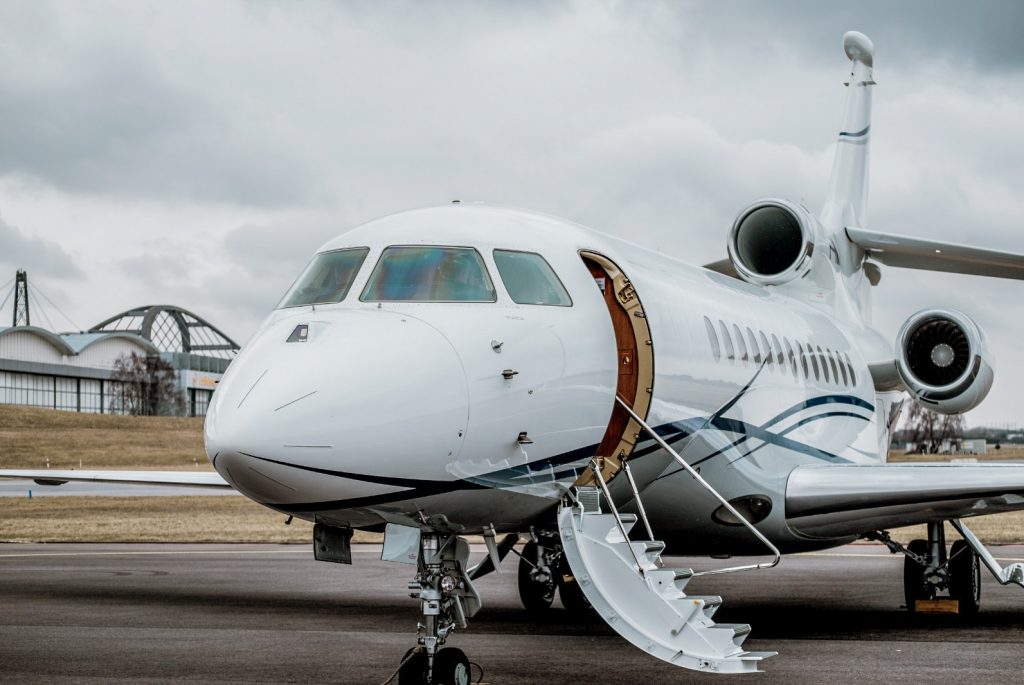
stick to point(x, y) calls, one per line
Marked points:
point(627, 583)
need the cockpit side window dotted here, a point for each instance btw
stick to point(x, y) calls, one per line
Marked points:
point(327, 279)
point(422, 273)
point(529, 279)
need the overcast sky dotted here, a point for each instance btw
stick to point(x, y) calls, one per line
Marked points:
point(197, 153)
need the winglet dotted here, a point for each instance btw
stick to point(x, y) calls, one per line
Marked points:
point(859, 48)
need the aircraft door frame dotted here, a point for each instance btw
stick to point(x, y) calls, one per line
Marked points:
point(636, 364)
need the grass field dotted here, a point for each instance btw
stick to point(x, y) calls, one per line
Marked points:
point(37, 438)
point(1007, 453)
point(29, 438)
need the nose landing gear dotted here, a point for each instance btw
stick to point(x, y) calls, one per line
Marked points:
point(447, 600)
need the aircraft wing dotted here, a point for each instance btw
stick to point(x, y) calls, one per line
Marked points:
point(914, 253)
point(842, 500)
point(203, 479)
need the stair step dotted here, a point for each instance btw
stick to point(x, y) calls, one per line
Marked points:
point(739, 631)
point(710, 603)
point(670, 581)
point(647, 551)
point(590, 499)
point(653, 546)
point(605, 526)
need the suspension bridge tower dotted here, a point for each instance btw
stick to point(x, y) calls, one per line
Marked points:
point(21, 311)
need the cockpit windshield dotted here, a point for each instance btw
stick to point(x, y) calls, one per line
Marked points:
point(327, 278)
point(529, 279)
point(429, 274)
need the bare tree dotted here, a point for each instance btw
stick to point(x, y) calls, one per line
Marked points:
point(146, 385)
point(927, 429)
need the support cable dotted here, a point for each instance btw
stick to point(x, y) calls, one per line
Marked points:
point(59, 310)
point(4, 303)
point(39, 307)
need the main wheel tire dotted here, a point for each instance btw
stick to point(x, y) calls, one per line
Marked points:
point(451, 667)
point(915, 586)
point(536, 596)
point(569, 590)
point(965, 577)
point(413, 671)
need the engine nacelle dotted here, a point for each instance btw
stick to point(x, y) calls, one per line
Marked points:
point(943, 359)
point(771, 242)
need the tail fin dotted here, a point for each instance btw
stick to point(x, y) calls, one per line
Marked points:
point(846, 201)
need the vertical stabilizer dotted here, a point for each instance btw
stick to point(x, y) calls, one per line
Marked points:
point(846, 201)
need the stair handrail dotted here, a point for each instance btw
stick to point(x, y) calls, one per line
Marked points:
point(707, 486)
point(596, 467)
point(638, 500)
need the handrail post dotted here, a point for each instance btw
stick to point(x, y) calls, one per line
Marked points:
point(707, 486)
point(599, 477)
point(639, 502)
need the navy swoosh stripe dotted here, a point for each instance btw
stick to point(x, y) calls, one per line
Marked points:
point(361, 477)
point(675, 432)
point(748, 431)
point(858, 134)
point(829, 414)
point(817, 402)
point(809, 419)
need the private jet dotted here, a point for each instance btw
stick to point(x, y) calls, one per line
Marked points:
point(590, 404)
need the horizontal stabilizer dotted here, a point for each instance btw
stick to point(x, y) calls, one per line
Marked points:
point(840, 500)
point(202, 479)
point(915, 253)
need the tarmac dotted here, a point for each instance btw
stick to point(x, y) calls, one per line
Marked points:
point(91, 613)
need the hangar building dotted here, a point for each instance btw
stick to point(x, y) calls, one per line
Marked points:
point(75, 371)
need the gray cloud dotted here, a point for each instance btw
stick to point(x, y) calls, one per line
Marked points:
point(983, 37)
point(38, 255)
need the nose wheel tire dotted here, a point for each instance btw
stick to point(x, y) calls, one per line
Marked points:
point(451, 667)
point(965, 577)
point(915, 585)
point(414, 668)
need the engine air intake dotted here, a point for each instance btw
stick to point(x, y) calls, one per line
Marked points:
point(938, 351)
point(943, 361)
point(771, 242)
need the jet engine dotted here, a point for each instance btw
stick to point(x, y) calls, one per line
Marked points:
point(771, 242)
point(943, 360)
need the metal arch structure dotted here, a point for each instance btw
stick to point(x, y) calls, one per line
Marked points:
point(172, 329)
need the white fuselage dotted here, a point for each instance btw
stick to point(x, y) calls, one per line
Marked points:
point(388, 411)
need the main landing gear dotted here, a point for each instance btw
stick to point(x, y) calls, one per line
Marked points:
point(928, 570)
point(537, 575)
point(542, 570)
point(447, 600)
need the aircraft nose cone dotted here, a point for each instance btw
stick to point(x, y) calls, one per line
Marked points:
point(364, 392)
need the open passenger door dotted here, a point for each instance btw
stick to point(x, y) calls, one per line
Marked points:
point(635, 363)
